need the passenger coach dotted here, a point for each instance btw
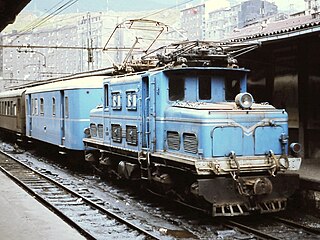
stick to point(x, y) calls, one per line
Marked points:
point(12, 111)
point(57, 113)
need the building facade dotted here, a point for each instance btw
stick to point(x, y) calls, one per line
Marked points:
point(193, 22)
point(222, 22)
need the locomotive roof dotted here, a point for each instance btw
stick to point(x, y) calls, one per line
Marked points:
point(78, 83)
point(12, 93)
point(207, 69)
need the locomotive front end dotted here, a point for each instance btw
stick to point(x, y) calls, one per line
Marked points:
point(249, 144)
point(239, 148)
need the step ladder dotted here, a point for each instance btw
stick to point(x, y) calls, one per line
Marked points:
point(144, 160)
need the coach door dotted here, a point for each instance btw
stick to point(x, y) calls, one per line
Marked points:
point(62, 118)
point(17, 109)
point(29, 114)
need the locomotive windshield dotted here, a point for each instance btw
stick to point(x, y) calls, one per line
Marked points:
point(176, 89)
point(232, 88)
point(207, 86)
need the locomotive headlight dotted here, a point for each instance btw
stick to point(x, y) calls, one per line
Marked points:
point(295, 148)
point(86, 132)
point(244, 100)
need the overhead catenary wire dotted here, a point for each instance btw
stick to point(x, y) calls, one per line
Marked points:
point(53, 14)
point(47, 18)
point(166, 9)
point(30, 25)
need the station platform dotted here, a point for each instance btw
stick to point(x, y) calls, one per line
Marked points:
point(23, 217)
point(310, 174)
point(310, 169)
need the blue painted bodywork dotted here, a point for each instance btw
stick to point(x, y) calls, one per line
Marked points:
point(218, 126)
point(65, 126)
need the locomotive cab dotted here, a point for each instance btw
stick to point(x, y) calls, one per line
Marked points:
point(212, 122)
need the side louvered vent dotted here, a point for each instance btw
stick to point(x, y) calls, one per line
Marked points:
point(100, 130)
point(116, 133)
point(173, 140)
point(190, 143)
point(132, 135)
point(93, 130)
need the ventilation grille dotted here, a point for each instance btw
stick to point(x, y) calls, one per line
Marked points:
point(100, 130)
point(173, 140)
point(116, 133)
point(190, 143)
point(132, 135)
point(93, 130)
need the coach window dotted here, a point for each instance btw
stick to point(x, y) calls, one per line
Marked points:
point(11, 108)
point(14, 109)
point(32, 104)
point(41, 106)
point(205, 88)
point(106, 95)
point(53, 106)
point(35, 106)
point(176, 89)
point(66, 107)
point(6, 108)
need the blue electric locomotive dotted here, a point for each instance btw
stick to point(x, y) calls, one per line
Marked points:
point(191, 130)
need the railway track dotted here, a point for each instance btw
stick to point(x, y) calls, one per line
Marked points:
point(274, 228)
point(84, 214)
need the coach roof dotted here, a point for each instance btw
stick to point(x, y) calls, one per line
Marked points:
point(12, 93)
point(78, 83)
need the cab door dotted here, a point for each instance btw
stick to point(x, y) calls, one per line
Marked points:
point(148, 114)
point(145, 113)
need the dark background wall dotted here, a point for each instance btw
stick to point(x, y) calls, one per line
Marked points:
point(286, 73)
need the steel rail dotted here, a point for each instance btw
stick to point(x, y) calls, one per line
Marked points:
point(305, 228)
point(79, 196)
point(250, 230)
